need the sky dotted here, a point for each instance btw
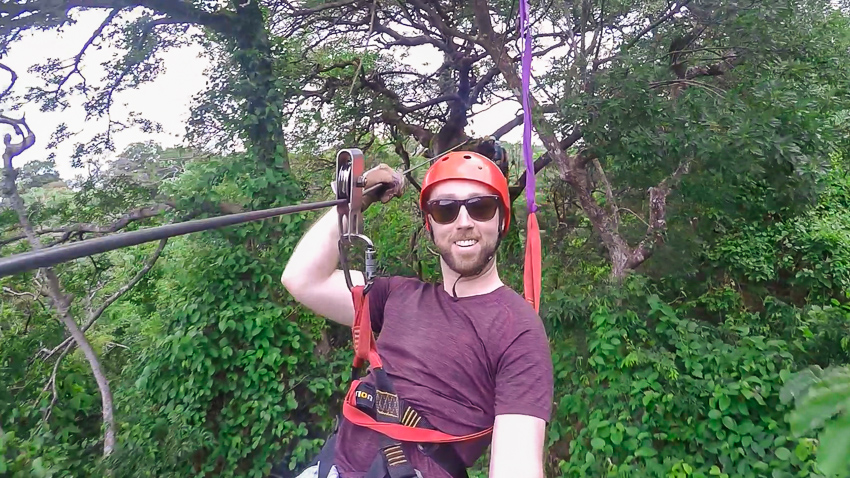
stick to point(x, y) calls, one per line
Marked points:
point(165, 100)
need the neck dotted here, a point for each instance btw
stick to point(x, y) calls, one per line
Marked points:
point(484, 283)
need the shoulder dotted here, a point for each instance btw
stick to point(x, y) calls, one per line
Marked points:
point(393, 283)
point(519, 315)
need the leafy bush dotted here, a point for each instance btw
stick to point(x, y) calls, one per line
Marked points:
point(658, 394)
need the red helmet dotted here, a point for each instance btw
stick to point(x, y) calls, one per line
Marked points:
point(469, 166)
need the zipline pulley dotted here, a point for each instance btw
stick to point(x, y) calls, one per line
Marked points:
point(349, 187)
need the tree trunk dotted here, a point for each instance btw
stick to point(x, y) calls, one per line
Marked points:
point(61, 303)
point(263, 97)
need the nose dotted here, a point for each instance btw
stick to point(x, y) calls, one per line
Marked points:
point(463, 220)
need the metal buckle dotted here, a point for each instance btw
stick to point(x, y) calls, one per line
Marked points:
point(349, 186)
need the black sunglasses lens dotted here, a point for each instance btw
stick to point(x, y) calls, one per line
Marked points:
point(444, 211)
point(482, 208)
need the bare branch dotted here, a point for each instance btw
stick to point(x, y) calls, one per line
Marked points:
point(109, 301)
point(129, 285)
point(676, 9)
point(61, 302)
point(544, 161)
point(11, 82)
point(81, 228)
point(652, 26)
point(611, 205)
point(75, 67)
point(51, 383)
point(658, 215)
point(518, 120)
point(508, 127)
point(13, 150)
point(303, 12)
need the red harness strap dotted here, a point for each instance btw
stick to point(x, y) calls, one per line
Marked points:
point(365, 349)
point(531, 275)
point(398, 431)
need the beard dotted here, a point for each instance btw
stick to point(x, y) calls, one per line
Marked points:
point(467, 264)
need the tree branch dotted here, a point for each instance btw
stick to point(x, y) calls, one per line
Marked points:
point(657, 22)
point(652, 26)
point(51, 383)
point(61, 302)
point(613, 210)
point(109, 301)
point(302, 12)
point(542, 162)
point(75, 68)
point(658, 215)
point(12, 81)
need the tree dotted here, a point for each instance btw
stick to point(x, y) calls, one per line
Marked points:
point(49, 284)
point(142, 30)
point(644, 93)
point(36, 174)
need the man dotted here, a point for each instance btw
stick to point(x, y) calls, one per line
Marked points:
point(468, 353)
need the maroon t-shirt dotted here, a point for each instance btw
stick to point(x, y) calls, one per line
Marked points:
point(458, 362)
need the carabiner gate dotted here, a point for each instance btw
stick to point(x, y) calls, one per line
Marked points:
point(349, 186)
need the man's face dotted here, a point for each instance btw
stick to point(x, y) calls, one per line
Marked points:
point(465, 244)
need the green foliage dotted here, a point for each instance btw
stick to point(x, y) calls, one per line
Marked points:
point(658, 394)
point(230, 381)
point(821, 399)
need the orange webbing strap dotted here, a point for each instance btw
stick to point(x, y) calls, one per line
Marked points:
point(398, 431)
point(361, 331)
point(531, 280)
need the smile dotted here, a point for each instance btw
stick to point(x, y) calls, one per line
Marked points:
point(466, 243)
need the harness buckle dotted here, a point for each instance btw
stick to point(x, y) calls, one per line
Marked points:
point(349, 186)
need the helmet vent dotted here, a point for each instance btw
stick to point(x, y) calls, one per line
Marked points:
point(444, 158)
point(466, 156)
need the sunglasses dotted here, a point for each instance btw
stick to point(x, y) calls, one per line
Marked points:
point(479, 208)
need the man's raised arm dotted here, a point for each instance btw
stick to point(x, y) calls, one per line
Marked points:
point(312, 275)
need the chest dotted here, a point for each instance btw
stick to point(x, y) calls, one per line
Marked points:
point(425, 336)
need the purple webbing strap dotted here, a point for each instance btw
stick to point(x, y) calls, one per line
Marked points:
point(525, 31)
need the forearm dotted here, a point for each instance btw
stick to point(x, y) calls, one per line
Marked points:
point(517, 447)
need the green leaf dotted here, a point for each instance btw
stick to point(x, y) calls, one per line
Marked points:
point(714, 471)
point(597, 443)
point(616, 437)
point(714, 414)
point(646, 452)
point(802, 451)
point(729, 423)
point(724, 402)
point(783, 453)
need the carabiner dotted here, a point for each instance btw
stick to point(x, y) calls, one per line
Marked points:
point(349, 186)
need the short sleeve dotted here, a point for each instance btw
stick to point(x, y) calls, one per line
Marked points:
point(378, 295)
point(524, 376)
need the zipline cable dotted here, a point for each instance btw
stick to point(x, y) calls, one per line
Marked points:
point(49, 257)
point(54, 255)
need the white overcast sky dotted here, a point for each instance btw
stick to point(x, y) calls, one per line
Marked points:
point(165, 100)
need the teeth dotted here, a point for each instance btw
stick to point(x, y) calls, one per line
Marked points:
point(466, 243)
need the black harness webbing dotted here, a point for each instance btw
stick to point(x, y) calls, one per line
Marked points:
point(381, 402)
